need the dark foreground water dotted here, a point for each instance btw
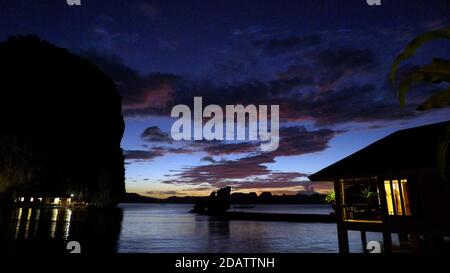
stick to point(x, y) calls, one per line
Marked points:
point(143, 228)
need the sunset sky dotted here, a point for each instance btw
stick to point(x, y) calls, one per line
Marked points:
point(325, 62)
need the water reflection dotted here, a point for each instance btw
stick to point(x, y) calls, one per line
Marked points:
point(219, 228)
point(147, 228)
point(45, 229)
point(152, 228)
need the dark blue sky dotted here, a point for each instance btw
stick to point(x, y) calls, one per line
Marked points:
point(325, 62)
point(183, 36)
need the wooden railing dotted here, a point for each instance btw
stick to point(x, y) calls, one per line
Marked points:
point(362, 212)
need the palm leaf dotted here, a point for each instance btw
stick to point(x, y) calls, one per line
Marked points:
point(412, 47)
point(439, 100)
point(436, 72)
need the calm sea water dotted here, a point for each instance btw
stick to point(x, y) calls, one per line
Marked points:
point(147, 228)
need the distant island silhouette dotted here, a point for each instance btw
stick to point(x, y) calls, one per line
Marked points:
point(235, 198)
point(61, 126)
point(218, 204)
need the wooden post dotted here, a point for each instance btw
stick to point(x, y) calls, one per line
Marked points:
point(387, 241)
point(341, 231)
point(343, 239)
point(364, 240)
point(403, 239)
point(384, 209)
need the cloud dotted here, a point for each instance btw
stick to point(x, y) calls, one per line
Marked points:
point(208, 159)
point(149, 94)
point(276, 46)
point(273, 180)
point(308, 190)
point(225, 147)
point(161, 192)
point(344, 58)
point(325, 79)
point(139, 155)
point(357, 103)
point(154, 134)
point(301, 93)
point(295, 140)
point(330, 85)
point(102, 35)
point(153, 152)
point(335, 64)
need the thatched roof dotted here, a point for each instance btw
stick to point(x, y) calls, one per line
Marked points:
point(405, 151)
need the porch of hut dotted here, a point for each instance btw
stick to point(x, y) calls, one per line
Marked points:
point(396, 185)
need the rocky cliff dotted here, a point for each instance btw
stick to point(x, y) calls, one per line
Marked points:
point(60, 125)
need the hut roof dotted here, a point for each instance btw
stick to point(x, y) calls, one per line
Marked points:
point(408, 150)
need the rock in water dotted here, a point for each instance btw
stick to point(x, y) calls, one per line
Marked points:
point(219, 203)
point(61, 125)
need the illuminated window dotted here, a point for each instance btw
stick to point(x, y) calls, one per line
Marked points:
point(390, 204)
point(406, 203)
point(397, 197)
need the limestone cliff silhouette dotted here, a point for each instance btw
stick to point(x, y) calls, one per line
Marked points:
point(60, 125)
point(216, 204)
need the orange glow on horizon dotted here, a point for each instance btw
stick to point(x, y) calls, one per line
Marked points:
point(322, 189)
